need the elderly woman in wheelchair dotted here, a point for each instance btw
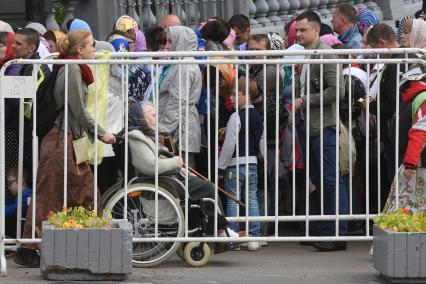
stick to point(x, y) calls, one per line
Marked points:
point(169, 219)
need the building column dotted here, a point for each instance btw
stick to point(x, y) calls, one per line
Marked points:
point(325, 13)
point(372, 5)
point(283, 10)
point(294, 7)
point(262, 9)
point(101, 15)
point(274, 6)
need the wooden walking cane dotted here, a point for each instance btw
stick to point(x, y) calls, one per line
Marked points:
point(171, 155)
point(233, 198)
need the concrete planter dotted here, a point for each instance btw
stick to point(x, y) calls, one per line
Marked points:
point(87, 254)
point(400, 257)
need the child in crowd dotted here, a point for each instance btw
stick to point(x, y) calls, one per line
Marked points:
point(228, 159)
point(11, 208)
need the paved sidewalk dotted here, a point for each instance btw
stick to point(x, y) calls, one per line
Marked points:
point(276, 263)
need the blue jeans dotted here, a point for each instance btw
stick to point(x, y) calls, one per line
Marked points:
point(329, 171)
point(231, 188)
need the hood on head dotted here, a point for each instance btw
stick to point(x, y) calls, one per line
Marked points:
point(183, 38)
point(38, 27)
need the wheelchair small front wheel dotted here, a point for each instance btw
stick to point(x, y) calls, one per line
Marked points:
point(196, 255)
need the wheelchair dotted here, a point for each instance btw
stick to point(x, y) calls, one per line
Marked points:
point(141, 201)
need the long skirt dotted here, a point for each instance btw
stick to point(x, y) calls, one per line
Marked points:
point(412, 193)
point(50, 182)
point(11, 151)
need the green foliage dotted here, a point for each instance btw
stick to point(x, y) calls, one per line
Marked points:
point(59, 14)
point(78, 217)
point(402, 220)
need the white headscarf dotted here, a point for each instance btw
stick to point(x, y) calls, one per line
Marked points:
point(418, 34)
point(5, 27)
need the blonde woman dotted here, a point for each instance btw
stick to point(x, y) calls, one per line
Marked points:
point(50, 176)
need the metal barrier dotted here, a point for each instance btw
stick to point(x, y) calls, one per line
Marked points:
point(22, 88)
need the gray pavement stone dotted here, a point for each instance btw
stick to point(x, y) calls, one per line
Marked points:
point(276, 263)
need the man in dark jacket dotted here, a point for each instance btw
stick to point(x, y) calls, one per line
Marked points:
point(257, 71)
point(383, 36)
point(25, 46)
point(312, 98)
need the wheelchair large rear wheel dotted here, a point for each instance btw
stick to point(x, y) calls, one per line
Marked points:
point(141, 214)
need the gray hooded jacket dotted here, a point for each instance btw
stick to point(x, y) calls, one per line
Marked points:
point(183, 39)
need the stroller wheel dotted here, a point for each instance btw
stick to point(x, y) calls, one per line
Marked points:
point(195, 255)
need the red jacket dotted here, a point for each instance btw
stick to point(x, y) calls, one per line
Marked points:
point(417, 133)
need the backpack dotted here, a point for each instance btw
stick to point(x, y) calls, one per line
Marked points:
point(357, 92)
point(47, 111)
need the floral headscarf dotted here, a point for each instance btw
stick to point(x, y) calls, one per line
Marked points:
point(137, 120)
point(277, 42)
point(125, 23)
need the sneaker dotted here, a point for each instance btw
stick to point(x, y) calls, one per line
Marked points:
point(253, 246)
point(228, 233)
point(27, 257)
point(232, 233)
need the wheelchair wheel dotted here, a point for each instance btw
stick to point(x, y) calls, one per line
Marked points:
point(106, 196)
point(141, 214)
point(196, 256)
point(179, 251)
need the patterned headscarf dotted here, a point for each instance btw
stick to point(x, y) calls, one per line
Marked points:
point(125, 23)
point(120, 44)
point(137, 120)
point(401, 27)
point(277, 42)
point(367, 18)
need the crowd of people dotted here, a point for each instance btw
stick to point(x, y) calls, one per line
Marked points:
point(246, 117)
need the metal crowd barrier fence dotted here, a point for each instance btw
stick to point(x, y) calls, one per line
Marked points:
point(24, 88)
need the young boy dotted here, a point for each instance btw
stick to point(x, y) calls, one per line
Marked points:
point(228, 159)
point(11, 208)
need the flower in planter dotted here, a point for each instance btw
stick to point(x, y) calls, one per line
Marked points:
point(78, 217)
point(402, 220)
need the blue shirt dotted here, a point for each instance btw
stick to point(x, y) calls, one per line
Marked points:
point(12, 205)
point(351, 38)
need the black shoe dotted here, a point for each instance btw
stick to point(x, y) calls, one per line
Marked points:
point(27, 257)
point(306, 243)
point(330, 246)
